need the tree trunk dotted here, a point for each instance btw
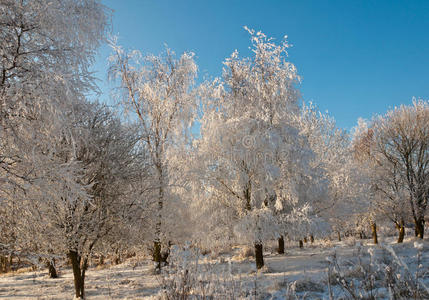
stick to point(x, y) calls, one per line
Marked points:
point(374, 232)
point(401, 229)
point(312, 239)
point(78, 274)
point(157, 241)
point(3, 264)
point(101, 260)
point(419, 227)
point(259, 256)
point(339, 236)
point(157, 254)
point(281, 248)
point(117, 257)
point(52, 270)
point(301, 244)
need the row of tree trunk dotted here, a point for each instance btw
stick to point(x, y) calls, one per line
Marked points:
point(79, 267)
point(400, 226)
point(281, 243)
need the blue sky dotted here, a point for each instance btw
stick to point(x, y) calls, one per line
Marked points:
point(356, 58)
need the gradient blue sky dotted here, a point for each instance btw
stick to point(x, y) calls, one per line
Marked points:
point(356, 58)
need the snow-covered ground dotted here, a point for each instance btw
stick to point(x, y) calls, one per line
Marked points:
point(307, 267)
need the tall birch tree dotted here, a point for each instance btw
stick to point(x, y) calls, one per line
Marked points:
point(159, 92)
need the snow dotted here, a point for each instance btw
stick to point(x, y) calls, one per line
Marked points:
point(301, 270)
point(118, 282)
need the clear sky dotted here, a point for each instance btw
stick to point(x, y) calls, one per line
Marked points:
point(356, 58)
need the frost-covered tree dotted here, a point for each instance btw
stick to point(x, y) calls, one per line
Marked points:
point(159, 92)
point(46, 50)
point(79, 198)
point(237, 177)
point(385, 200)
point(296, 189)
point(330, 146)
point(248, 141)
point(396, 148)
point(349, 193)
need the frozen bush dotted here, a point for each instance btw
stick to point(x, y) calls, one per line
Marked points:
point(188, 277)
point(372, 275)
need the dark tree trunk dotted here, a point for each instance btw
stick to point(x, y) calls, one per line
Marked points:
point(301, 244)
point(339, 236)
point(401, 230)
point(117, 256)
point(3, 264)
point(4, 267)
point(52, 270)
point(101, 260)
point(312, 239)
point(419, 227)
point(78, 274)
point(259, 256)
point(157, 257)
point(281, 248)
point(374, 232)
point(157, 254)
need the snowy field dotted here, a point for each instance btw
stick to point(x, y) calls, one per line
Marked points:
point(301, 272)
